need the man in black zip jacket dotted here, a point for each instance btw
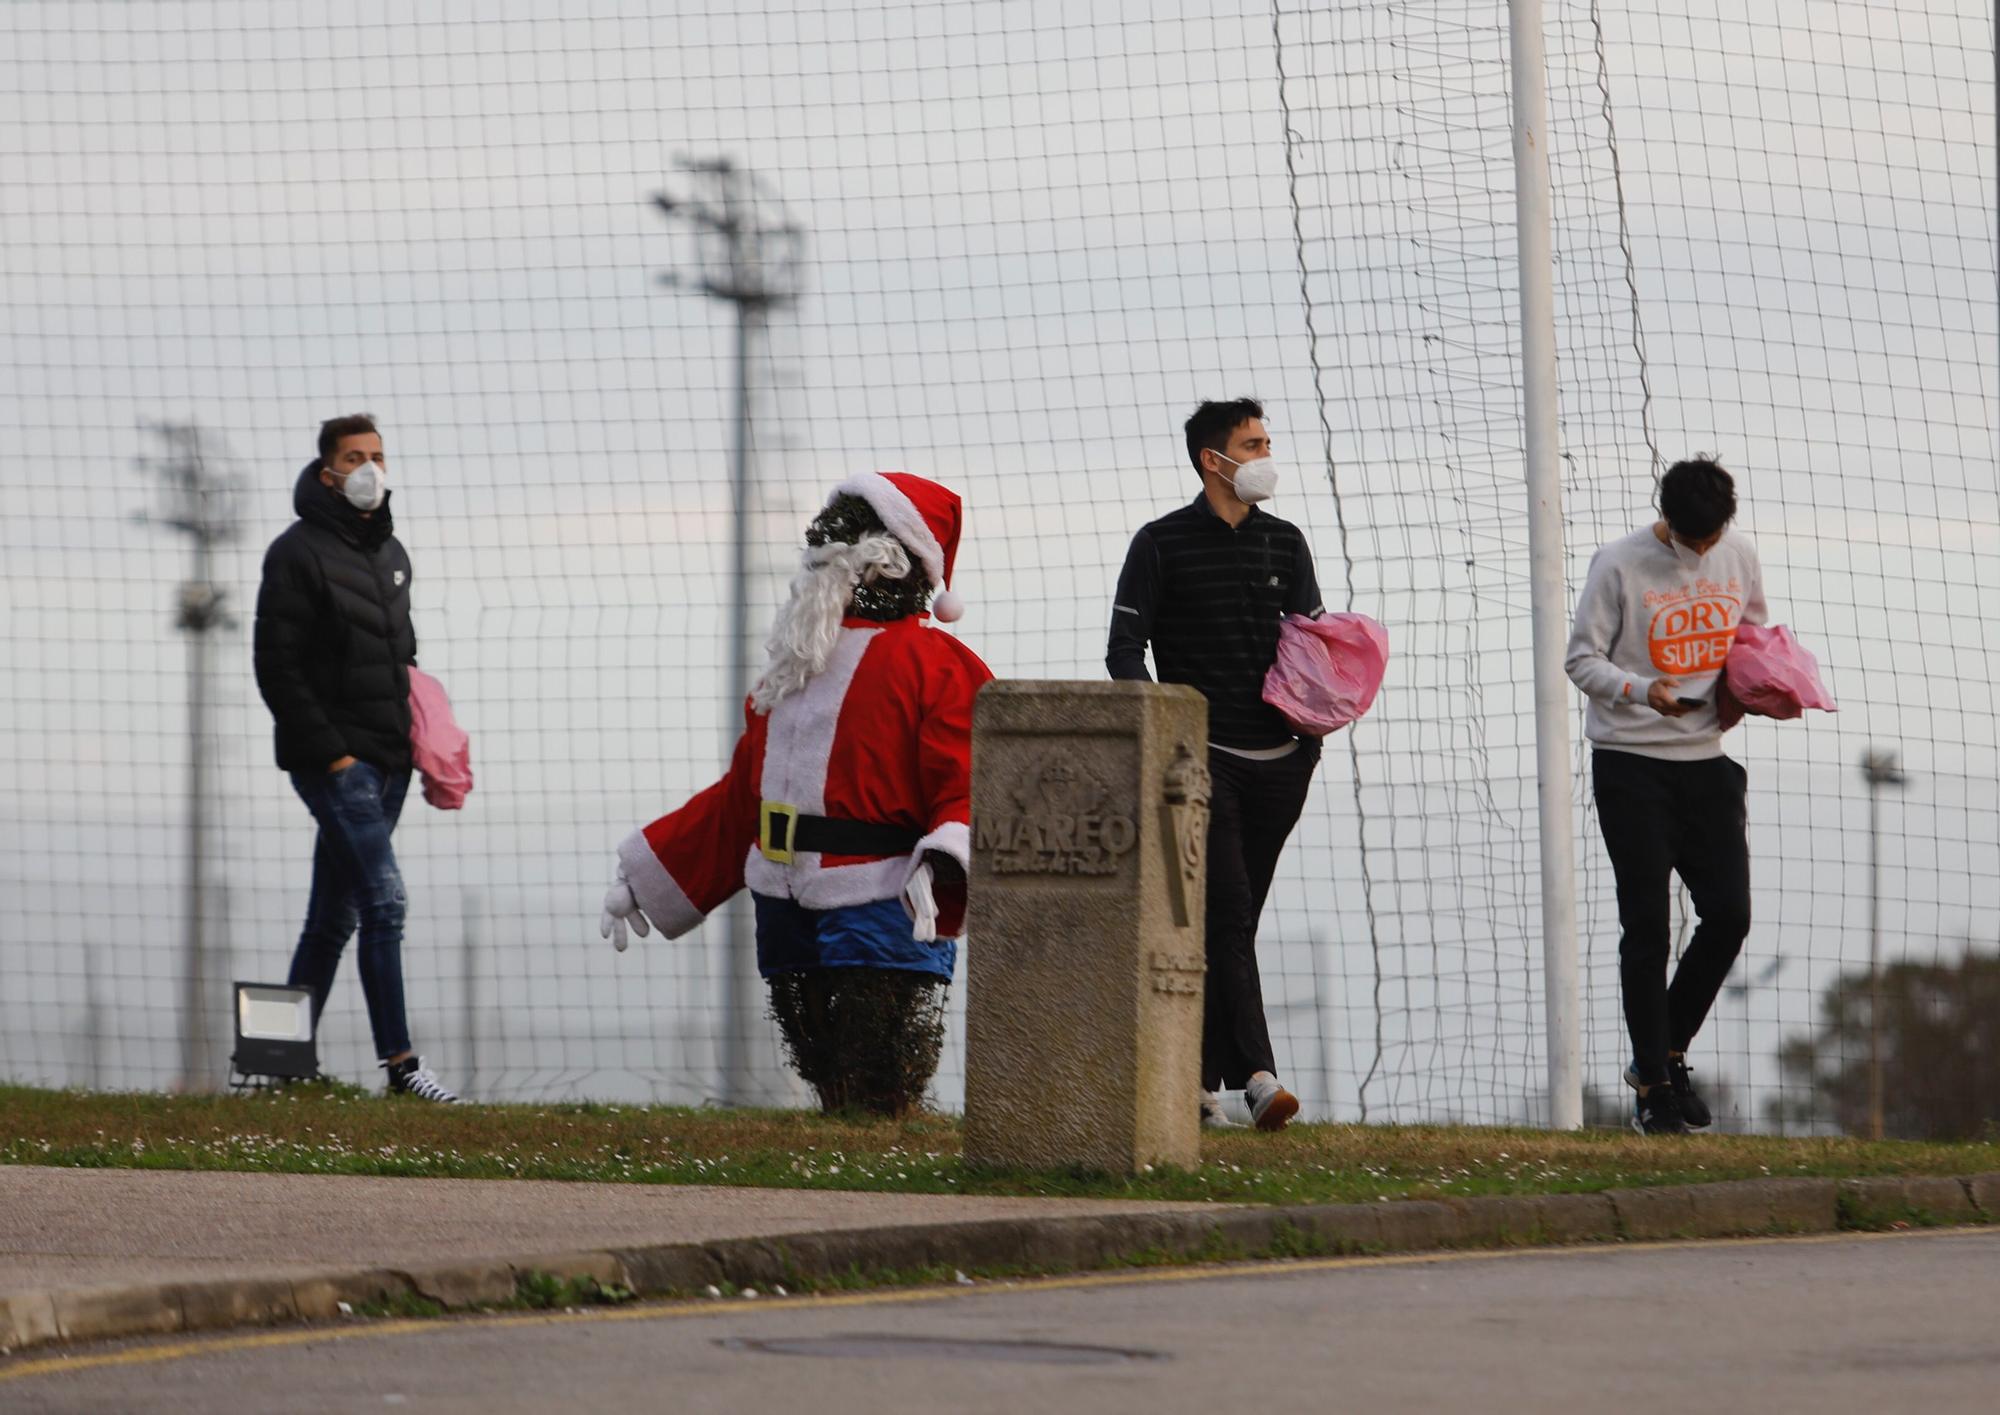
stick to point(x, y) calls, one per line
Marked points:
point(1206, 586)
point(332, 653)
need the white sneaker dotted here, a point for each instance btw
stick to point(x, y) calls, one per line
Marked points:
point(410, 1077)
point(1271, 1105)
point(1213, 1116)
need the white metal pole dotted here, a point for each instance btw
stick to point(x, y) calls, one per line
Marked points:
point(1549, 602)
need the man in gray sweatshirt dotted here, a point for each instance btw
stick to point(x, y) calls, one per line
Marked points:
point(1658, 614)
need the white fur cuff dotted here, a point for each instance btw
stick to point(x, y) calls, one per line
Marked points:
point(663, 900)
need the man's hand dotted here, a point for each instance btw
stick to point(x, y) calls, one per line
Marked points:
point(341, 765)
point(1660, 698)
point(621, 909)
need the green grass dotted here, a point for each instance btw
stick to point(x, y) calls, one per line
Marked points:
point(540, 1291)
point(399, 1304)
point(340, 1130)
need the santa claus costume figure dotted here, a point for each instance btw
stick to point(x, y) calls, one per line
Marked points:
point(847, 803)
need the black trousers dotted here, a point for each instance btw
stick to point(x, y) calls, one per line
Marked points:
point(1252, 809)
point(1661, 818)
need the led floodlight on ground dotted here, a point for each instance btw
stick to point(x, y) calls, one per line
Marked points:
point(274, 1032)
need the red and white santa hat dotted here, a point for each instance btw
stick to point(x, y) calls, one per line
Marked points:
point(925, 517)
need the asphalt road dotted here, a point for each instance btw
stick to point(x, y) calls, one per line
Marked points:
point(1899, 1322)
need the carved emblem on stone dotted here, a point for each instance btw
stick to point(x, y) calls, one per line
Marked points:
point(1186, 792)
point(1064, 823)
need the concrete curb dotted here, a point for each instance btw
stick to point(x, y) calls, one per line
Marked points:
point(1000, 1247)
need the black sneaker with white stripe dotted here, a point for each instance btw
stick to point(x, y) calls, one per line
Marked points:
point(1694, 1110)
point(1658, 1112)
point(410, 1077)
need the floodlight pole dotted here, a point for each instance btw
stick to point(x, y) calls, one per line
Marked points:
point(471, 918)
point(200, 507)
point(753, 278)
point(194, 1011)
point(1548, 599)
point(1880, 769)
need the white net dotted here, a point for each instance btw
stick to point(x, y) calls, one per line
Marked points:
point(1035, 236)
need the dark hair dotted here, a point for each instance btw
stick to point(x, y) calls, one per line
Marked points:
point(334, 429)
point(1698, 498)
point(1210, 425)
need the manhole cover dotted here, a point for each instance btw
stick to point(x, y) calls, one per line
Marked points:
point(939, 1348)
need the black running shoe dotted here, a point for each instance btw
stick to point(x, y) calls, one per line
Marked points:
point(1694, 1110)
point(1658, 1112)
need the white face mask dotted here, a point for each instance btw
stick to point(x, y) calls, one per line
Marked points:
point(1686, 554)
point(1254, 481)
point(365, 486)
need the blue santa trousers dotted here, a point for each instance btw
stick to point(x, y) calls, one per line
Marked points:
point(791, 938)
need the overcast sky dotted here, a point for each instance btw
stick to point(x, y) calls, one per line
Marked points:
point(1036, 235)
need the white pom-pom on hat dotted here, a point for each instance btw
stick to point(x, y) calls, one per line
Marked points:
point(948, 608)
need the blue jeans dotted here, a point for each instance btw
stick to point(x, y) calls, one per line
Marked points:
point(355, 877)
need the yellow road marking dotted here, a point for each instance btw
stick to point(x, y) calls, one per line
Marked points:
point(215, 1346)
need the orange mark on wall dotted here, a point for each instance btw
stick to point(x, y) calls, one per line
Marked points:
point(1694, 636)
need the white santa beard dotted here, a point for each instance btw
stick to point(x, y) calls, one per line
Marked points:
point(808, 623)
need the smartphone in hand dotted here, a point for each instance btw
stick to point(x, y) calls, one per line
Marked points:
point(1692, 702)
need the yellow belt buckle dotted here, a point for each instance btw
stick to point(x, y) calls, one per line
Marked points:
point(778, 853)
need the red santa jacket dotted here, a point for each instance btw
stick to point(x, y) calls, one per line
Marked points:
point(883, 734)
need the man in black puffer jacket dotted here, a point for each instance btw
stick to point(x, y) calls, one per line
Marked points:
point(333, 652)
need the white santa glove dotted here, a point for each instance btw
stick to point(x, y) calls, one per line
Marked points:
point(620, 909)
point(921, 902)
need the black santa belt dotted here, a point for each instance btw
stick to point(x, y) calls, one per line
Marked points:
point(784, 830)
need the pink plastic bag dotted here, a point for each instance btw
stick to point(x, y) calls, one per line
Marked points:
point(438, 745)
point(1328, 670)
point(1768, 674)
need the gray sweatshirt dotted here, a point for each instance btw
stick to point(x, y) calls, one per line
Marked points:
point(1654, 609)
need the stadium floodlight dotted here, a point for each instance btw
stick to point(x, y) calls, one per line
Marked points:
point(275, 1036)
point(203, 503)
point(749, 255)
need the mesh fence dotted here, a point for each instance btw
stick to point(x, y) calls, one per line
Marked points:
point(1034, 236)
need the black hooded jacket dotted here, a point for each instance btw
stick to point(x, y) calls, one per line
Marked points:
point(334, 643)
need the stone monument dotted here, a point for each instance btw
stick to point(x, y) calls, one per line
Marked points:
point(1084, 931)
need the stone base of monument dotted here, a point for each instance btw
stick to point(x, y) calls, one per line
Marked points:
point(1084, 931)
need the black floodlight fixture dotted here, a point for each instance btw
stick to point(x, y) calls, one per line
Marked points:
point(275, 1036)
